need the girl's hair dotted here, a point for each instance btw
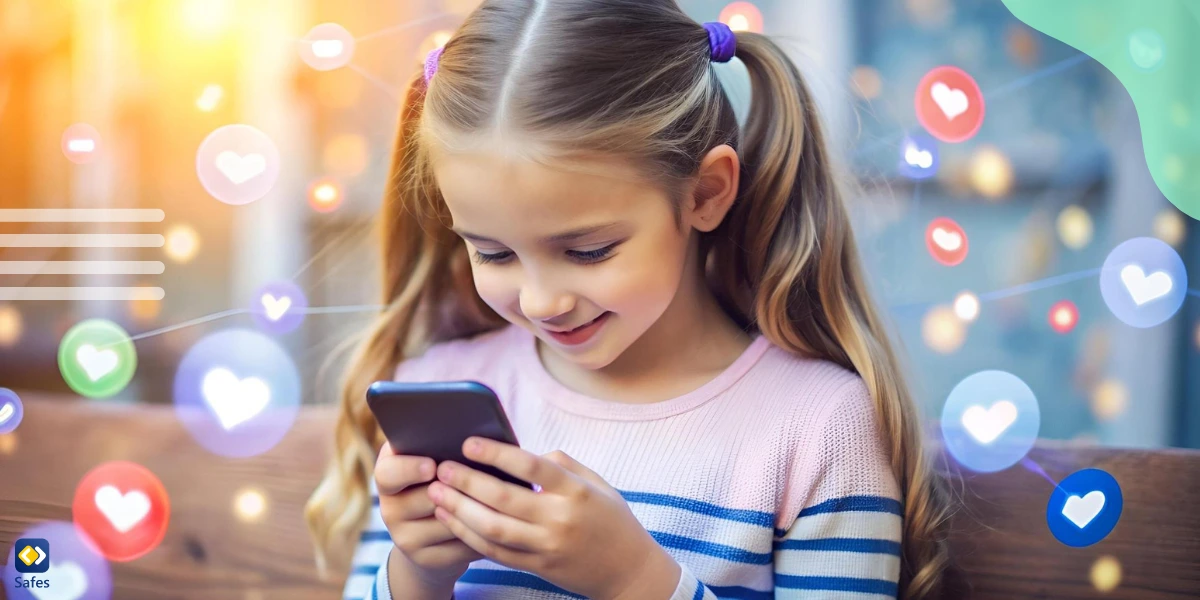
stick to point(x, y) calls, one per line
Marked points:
point(631, 78)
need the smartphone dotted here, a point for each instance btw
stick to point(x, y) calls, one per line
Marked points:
point(434, 419)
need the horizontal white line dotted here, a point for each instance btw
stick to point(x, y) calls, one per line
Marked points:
point(81, 215)
point(81, 267)
point(81, 240)
point(81, 293)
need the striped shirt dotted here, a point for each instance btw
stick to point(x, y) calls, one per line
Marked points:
point(769, 481)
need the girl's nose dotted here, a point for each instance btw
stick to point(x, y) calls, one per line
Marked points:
point(541, 302)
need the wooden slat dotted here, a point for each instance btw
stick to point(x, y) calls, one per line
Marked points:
point(1001, 544)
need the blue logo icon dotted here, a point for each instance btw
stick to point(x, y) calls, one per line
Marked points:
point(33, 555)
point(1084, 508)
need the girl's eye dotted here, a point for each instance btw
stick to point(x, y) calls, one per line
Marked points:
point(582, 256)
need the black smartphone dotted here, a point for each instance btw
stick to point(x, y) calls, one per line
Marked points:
point(434, 419)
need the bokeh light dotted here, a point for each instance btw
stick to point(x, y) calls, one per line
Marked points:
point(210, 98)
point(206, 17)
point(1075, 227)
point(1022, 44)
point(325, 195)
point(929, 13)
point(1063, 316)
point(434, 40)
point(966, 306)
point(991, 172)
point(346, 155)
point(1106, 573)
point(8, 443)
point(942, 330)
point(1170, 227)
point(11, 325)
point(866, 82)
point(181, 243)
point(145, 311)
point(1109, 399)
point(742, 16)
point(249, 505)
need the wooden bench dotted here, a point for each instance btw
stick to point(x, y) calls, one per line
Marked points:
point(1002, 546)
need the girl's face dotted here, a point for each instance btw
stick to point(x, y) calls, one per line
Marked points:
point(552, 249)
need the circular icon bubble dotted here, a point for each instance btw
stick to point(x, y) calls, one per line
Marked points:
point(123, 508)
point(326, 47)
point(949, 104)
point(990, 421)
point(1147, 50)
point(1063, 316)
point(11, 410)
point(1143, 282)
point(237, 164)
point(73, 569)
point(278, 307)
point(81, 143)
point(1084, 508)
point(946, 241)
point(237, 392)
point(918, 156)
point(97, 358)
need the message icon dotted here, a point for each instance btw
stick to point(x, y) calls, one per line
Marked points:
point(97, 358)
point(990, 421)
point(81, 143)
point(1084, 508)
point(946, 241)
point(1143, 282)
point(238, 164)
point(326, 47)
point(123, 508)
point(949, 104)
point(918, 156)
point(279, 307)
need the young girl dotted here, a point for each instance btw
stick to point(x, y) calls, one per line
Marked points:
point(671, 310)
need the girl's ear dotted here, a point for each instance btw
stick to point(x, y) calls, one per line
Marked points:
point(716, 188)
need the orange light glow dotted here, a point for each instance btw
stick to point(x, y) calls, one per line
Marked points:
point(742, 16)
point(325, 195)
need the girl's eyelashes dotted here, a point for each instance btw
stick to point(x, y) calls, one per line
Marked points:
point(580, 256)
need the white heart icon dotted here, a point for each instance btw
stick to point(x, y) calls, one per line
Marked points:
point(327, 48)
point(1143, 289)
point(96, 363)
point(947, 240)
point(1081, 511)
point(234, 401)
point(276, 307)
point(6, 412)
point(952, 101)
point(917, 157)
point(985, 425)
point(70, 582)
point(123, 511)
point(240, 169)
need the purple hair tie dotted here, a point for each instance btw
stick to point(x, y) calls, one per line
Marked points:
point(721, 41)
point(431, 63)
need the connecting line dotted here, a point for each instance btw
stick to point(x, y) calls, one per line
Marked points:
point(1015, 290)
point(1028, 463)
point(243, 311)
point(400, 27)
point(1194, 293)
point(379, 83)
point(1046, 71)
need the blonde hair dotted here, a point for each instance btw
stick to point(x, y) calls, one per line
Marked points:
point(579, 77)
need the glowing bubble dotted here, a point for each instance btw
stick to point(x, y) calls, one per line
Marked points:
point(946, 241)
point(866, 82)
point(249, 505)
point(918, 156)
point(182, 243)
point(991, 172)
point(10, 325)
point(11, 410)
point(346, 155)
point(97, 358)
point(1170, 227)
point(210, 98)
point(326, 47)
point(943, 330)
point(238, 164)
point(81, 143)
point(1084, 507)
point(1105, 574)
point(1147, 50)
point(966, 306)
point(949, 104)
point(325, 195)
point(1075, 227)
point(123, 508)
point(1063, 316)
point(279, 307)
point(1143, 281)
point(1109, 399)
point(990, 421)
point(742, 16)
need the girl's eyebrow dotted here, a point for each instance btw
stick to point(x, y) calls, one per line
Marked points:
point(552, 239)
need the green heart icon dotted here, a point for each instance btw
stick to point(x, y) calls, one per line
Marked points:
point(97, 358)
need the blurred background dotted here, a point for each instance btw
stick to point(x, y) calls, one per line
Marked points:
point(1053, 181)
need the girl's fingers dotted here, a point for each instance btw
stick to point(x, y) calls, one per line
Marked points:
point(495, 527)
point(519, 463)
point(412, 536)
point(510, 499)
point(445, 554)
point(395, 472)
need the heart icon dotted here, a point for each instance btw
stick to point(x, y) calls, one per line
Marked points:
point(1144, 288)
point(953, 102)
point(96, 363)
point(327, 48)
point(240, 169)
point(1081, 511)
point(987, 425)
point(123, 511)
point(917, 157)
point(234, 401)
point(6, 412)
point(70, 582)
point(947, 240)
point(276, 307)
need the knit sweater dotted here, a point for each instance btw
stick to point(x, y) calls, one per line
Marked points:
point(769, 481)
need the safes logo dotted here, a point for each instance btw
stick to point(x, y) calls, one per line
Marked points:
point(33, 555)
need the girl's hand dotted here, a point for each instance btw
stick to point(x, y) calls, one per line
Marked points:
point(577, 532)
